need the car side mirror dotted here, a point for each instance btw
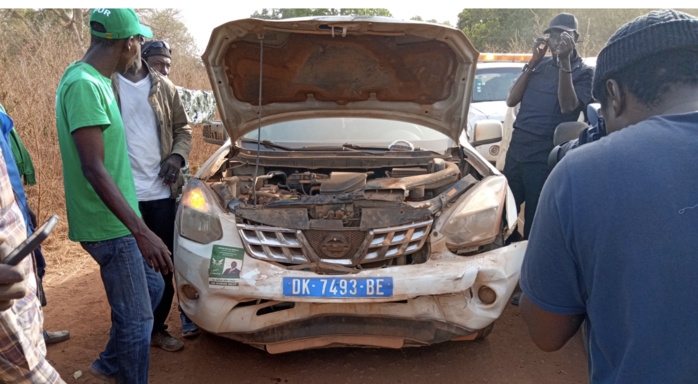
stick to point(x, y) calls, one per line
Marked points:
point(567, 131)
point(486, 132)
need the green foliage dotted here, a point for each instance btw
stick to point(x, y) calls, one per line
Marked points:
point(513, 30)
point(287, 13)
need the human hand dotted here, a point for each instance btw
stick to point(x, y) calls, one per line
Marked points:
point(154, 250)
point(170, 168)
point(540, 47)
point(13, 285)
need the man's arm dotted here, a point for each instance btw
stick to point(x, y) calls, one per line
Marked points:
point(90, 147)
point(181, 139)
point(566, 95)
point(540, 46)
point(549, 331)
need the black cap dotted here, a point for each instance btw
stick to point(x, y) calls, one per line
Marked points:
point(153, 48)
point(565, 21)
point(646, 35)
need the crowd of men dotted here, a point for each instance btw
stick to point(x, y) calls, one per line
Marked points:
point(611, 230)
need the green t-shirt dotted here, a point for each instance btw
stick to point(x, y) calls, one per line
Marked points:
point(84, 99)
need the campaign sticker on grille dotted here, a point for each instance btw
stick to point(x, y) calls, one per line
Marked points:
point(338, 287)
point(225, 266)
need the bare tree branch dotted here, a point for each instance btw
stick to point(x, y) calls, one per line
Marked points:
point(72, 20)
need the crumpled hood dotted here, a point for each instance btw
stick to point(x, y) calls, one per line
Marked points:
point(340, 67)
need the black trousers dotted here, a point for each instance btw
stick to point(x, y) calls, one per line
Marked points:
point(526, 181)
point(159, 216)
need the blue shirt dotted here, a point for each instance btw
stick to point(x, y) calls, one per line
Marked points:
point(616, 238)
point(539, 113)
point(6, 125)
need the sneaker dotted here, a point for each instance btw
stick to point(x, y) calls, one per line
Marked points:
point(189, 329)
point(56, 337)
point(168, 343)
point(102, 377)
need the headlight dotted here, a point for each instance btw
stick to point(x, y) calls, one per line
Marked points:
point(476, 220)
point(198, 219)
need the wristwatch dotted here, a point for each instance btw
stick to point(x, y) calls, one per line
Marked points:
point(526, 68)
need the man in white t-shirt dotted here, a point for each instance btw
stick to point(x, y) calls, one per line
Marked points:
point(154, 117)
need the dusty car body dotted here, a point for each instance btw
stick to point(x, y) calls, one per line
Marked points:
point(352, 217)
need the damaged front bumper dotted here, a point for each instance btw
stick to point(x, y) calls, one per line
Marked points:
point(439, 300)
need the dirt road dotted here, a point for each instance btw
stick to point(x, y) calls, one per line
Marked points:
point(78, 303)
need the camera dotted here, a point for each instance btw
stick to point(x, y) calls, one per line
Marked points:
point(593, 133)
point(542, 43)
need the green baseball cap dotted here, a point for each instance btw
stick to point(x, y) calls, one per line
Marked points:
point(119, 23)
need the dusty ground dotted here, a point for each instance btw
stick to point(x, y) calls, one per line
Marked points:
point(77, 302)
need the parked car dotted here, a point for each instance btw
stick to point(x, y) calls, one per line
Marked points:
point(342, 210)
point(494, 75)
point(510, 116)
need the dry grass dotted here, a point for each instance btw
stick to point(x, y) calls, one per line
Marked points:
point(29, 78)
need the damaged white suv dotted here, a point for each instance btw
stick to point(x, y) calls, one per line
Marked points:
point(343, 211)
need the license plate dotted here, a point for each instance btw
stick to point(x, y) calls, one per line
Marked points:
point(338, 287)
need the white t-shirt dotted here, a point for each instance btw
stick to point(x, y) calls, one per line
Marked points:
point(142, 138)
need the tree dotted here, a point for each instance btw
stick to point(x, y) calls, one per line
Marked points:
point(21, 26)
point(498, 29)
point(513, 30)
point(167, 25)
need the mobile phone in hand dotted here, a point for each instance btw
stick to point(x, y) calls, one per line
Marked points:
point(32, 242)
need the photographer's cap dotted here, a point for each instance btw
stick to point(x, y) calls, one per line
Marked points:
point(565, 21)
point(119, 23)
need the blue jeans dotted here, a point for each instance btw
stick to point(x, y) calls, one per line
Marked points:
point(133, 290)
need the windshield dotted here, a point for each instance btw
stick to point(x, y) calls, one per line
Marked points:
point(492, 84)
point(362, 132)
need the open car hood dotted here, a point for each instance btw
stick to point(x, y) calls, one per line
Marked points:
point(345, 66)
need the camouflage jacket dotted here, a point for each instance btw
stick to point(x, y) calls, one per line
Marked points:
point(199, 105)
point(175, 133)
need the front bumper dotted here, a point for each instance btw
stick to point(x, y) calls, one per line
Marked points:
point(431, 302)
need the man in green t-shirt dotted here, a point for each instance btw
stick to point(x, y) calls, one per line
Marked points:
point(100, 193)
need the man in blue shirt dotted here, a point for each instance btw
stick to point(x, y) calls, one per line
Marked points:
point(22, 348)
point(552, 90)
point(615, 237)
point(11, 147)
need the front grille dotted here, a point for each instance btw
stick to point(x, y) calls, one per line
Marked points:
point(318, 239)
point(348, 247)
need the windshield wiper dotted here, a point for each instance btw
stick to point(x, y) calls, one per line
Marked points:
point(268, 144)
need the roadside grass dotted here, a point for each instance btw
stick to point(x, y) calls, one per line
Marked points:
point(30, 71)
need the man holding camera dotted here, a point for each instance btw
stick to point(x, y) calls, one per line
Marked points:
point(552, 90)
point(614, 241)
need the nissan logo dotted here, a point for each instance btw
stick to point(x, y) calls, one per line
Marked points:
point(335, 245)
